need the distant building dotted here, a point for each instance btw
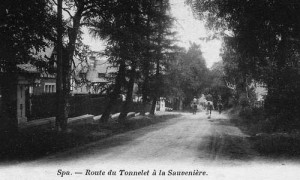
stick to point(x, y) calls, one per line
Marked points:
point(46, 84)
point(28, 76)
point(160, 104)
point(92, 76)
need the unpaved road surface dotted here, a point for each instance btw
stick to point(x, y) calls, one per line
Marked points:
point(189, 138)
point(189, 142)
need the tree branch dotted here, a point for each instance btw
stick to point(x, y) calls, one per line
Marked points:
point(66, 10)
point(54, 2)
point(84, 24)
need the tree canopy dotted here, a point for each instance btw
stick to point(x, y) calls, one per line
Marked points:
point(24, 30)
point(188, 75)
point(263, 45)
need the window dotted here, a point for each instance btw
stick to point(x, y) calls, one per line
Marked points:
point(49, 88)
point(101, 75)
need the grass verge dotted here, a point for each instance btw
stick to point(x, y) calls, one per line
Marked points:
point(263, 139)
point(35, 143)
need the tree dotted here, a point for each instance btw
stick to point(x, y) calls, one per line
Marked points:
point(188, 76)
point(123, 29)
point(162, 42)
point(148, 56)
point(24, 31)
point(265, 40)
point(131, 31)
point(218, 86)
point(81, 13)
point(59, 73)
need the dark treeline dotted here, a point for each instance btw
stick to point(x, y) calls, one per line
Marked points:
point(139, 41)
point(189, 77)
point(23, 30)
point(261, 46)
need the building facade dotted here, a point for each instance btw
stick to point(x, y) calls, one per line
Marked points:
point(92, 76)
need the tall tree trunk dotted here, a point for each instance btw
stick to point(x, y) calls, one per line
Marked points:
point(8, 117)
point(115, 93)
point(66, 93)
point(59, 81)
point(153, 105)
point(66, 69)
point(146, 71)
point(8, 85)
point(158, 59)
point(145, 89)
point(128, 100)
point(156, 94)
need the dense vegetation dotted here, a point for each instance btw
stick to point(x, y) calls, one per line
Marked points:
point(139, 44)
point(261, 45)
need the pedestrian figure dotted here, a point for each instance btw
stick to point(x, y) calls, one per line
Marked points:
point(194, 107)
point(195, 100)
point(209, 108)
point(220, 106)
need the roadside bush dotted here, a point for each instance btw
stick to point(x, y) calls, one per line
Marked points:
point(246, 113)
point(262, 126)
point(251, 119)
point(243, 101)
point(251, 115)
point(282, 144)
point(265, 137)
point(232, 102)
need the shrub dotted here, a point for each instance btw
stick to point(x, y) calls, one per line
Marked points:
point(246, 113)
point(243, 101)
point(262, 126)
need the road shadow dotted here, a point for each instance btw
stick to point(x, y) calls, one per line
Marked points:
point(226, 142)
point(271, 146)
point(34, 144)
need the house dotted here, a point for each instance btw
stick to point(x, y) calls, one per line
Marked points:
point(46, 83)
point(28, 76)
point(92, 76)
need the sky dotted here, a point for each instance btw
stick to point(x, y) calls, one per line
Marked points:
point(189, 30)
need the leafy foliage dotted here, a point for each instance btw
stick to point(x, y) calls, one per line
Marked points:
point(264, 46)
point(189, 76)
point(24, 29)
point(218, 87)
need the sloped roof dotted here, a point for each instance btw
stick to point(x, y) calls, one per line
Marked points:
point(28, 68)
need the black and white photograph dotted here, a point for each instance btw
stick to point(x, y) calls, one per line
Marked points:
point(150, 89)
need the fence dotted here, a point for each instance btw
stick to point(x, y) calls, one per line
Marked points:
point(45, 105)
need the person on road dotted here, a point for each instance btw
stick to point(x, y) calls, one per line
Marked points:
point(194, 107)
point(209, 108)
point(220, 106)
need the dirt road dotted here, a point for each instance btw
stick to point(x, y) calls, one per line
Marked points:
point(189, 142)
point(189, 138)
